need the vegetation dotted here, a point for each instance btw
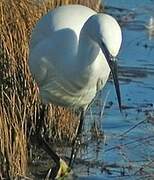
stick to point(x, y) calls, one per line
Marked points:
point(20, 104)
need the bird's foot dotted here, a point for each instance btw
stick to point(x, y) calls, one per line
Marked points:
point(63, 172)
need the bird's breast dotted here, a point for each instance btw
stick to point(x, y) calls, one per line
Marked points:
point(74, 86)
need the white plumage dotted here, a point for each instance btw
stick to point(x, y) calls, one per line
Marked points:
point(67, 55)
point(72, 51)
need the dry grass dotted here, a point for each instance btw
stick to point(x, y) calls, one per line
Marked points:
point(19, 100)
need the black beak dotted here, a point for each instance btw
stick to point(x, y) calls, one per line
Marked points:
point(113, 66)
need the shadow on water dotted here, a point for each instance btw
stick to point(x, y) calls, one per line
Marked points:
point(115, 145)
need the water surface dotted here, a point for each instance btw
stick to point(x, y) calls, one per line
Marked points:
point(127, 149)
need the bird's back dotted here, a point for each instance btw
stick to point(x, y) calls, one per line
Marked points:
point(64, 17)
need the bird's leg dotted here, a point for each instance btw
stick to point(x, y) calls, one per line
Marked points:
point(76, 142)
point(44, 145)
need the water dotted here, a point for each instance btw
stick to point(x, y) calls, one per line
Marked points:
point(127, 150)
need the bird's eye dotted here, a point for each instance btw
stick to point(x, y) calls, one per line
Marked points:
point(113, 58)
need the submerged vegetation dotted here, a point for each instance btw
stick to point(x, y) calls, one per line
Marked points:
point(20, 105)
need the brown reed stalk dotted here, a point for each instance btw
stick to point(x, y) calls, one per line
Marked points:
point(19, 99)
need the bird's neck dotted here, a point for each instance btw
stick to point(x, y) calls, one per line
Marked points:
point(82, 69)
point(88, 50)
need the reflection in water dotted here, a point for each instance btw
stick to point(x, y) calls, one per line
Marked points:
point(150, 27)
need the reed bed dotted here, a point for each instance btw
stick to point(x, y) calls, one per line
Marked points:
point(20, 104)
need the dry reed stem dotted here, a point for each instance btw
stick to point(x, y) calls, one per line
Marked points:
point(19, 99)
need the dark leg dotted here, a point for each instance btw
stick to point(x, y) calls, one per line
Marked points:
point(76, 142)
point(40, 140)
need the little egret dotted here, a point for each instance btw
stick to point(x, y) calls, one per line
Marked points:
point(72, 51)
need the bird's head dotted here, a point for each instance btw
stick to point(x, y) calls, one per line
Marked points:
point(106, 32)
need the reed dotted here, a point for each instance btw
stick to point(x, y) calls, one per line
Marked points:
point(19, 98)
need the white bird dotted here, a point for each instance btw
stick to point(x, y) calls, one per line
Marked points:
point(72, 51)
